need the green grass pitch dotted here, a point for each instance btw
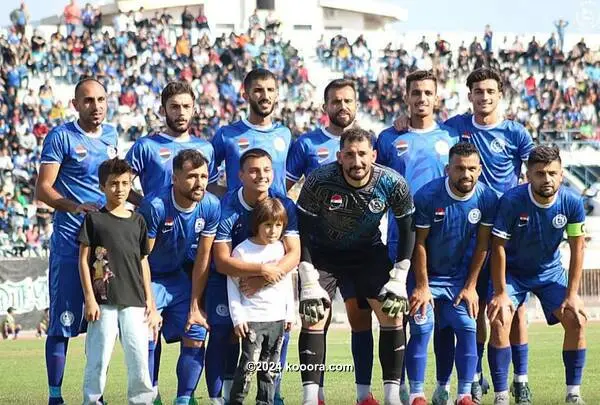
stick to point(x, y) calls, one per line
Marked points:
point(23, 375)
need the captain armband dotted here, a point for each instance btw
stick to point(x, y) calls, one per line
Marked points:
point(577, 229)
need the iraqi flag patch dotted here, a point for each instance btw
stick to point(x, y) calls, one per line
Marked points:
point(401, 147)
point(335, 202)
point(243, 143)
point(439, 214)
point(523, 219)
point(323, 153)
point(164, 153)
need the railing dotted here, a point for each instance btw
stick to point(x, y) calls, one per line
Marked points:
point(567, 139)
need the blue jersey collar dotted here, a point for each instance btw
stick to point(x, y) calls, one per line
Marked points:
point(485, 127)
point(257, 127)
point(467, 197)
point(179, 208)
point(94, 135)
point(537, 204)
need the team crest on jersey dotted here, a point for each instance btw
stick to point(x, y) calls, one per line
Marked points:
point(279, 144)
point(439, 214)
point(164, 153)
point(243, 143)
point(474, 216)
point(222, 310)
point(67, 318)
point(559, 221)
point(401, 148)
point(81, 151)
point(442, 148)
point(335, 202)
point(376, 206)
point(498, 145)
point(199, 225)
point(523, 219)
point(322, 153)
point(420, 319)
point(111, 151)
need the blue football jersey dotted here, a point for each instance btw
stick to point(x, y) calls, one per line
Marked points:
point(231, 141)
point(503, 148)
point(534, 231)
point(418, 155)
point(177, 230)
point(152, 159)
point(310, 151)
point(234, 225)
point(453, 222)
point(79, 155)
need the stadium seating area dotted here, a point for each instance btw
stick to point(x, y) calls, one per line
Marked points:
point(553, 93)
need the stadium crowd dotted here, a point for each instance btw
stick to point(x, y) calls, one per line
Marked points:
point(546, 89)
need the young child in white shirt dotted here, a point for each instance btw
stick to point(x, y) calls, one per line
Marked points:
point(261, 319)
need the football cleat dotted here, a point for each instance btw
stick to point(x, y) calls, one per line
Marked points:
point(574, 399)
point(522, 393)
point(502, 399)
point(440, 397)
point(369, 400)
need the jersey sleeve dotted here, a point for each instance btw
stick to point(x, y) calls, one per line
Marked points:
point(295, 165)
point(422, 211)
point(86, 232)
point(489, 207)
point(400, 199)
point(54, 149)
point(382, 148)
point(218, 144)
point(152, 215)
point(505, 219)
point(576, 211)
point(225, 227)
point(135, 157)
point(525, 144)
point(144, 248)
point(212, 218)
point(292, 225)
point(308, 202)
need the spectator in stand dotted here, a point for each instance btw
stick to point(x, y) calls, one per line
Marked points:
point(187, 19)
point(72, 16)
point(560, 30)
point(20, 18)
point(487, 39)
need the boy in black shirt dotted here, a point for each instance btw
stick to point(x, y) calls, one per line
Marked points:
point(115, 277)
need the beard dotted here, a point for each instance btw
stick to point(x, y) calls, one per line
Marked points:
point(174, 126)
point(352, 173)
point(258, 110)
point(340, 122)
point(546, 192)
point(463, 188)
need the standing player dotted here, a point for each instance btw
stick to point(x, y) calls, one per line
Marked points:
point(182, 220)
point(310, 151)
point(453, 219)
point(151, 158)
point(68, 182)
point(258, 131)
point(340, 208)
point(503, 146)
point(256, 175)
point(420, 154)
point(528, 230)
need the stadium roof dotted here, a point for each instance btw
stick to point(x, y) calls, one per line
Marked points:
point(373, 7)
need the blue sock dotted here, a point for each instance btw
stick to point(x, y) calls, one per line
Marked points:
point(443, 346)
point(282, 362)
point(574, 361)
point(416, 359)
point(520, 354)
point(480, 350)
point(189, 369)
point(362, 353)
point(499, 359)
point(56, 355)
point(216, 357)
point(151, 350)
point(466, 359)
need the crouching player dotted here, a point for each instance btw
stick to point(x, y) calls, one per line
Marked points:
point(528, 230)
point(453, 220)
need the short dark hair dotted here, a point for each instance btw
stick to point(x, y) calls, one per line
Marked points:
point(174, 89)
point(356, 135)
point(269, 209)
point(482, 74)
point(463, 149)
point(111, 167)
point(253, 153)
point(10, 310)
point(338, 84)
point(196, 158)
point(87, 79)
point(419, 76)
point(544, 154)
point(257, 74)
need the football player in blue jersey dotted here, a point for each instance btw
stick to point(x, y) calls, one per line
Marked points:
point(68, 182)
point(525, 258)
point(182, 222)
point(420, 154)
point(152, 156)
point(308, 152)
point(256, 175)
point(152, 160)
point(453, 218)
point(503, 146)
point(340, 207)
point(257, 131)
